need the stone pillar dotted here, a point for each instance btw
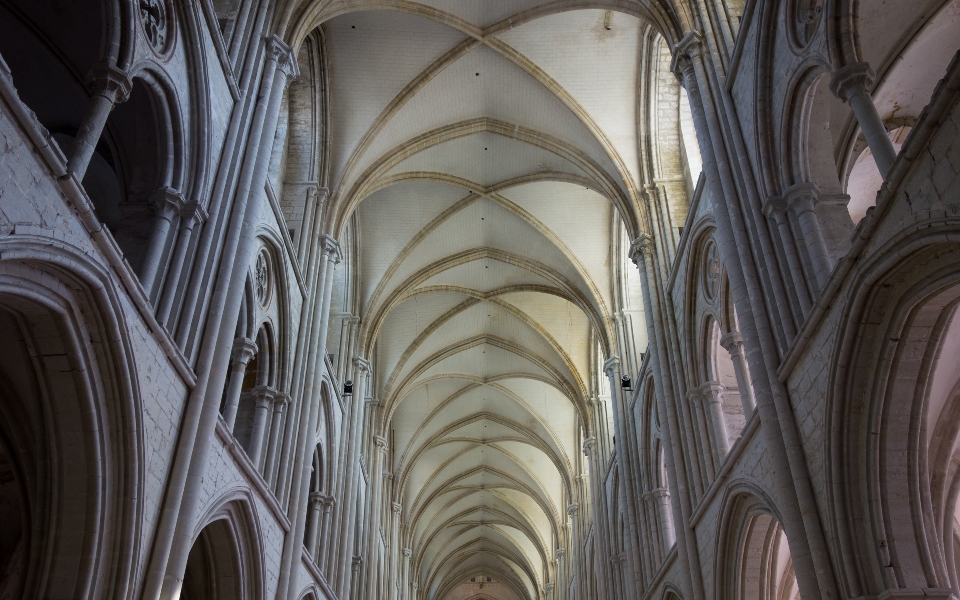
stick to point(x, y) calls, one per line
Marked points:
point(712, 394)
point(575, 558)
point(600, 531)
point(313, 528)
point(262, 396)
point(324, 539)
point(548, 590)
point(416, 587)
point(733, 343)
point(395, 551)
point(405, 580)
point(191, 215)
point(356, 573)
point(801, 202)
point(374, 517)
point(701, 435)
point(626, 463)
point(167, 204)
point(244, 349)
point(661, 503)
point(851, 84)
point(560, 573)
point(352, 472)
point(108, 86)
point(280, 402)
point(775, 209)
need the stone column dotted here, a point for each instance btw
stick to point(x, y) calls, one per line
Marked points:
point(167, 204)
point(405, 580)
point(415, 586)
point(395, 551)
point(600, 530)
point(575, 541)
point(712, 394)
point(244, 349)
point(324, 540)
point(775, 209)
point(356, 573)
point(625, 462)
point(801, 199)
point(699, 418)
point(851, 84)
point(191, 215)
point(262, 396)
point(733, 343)
point(313, 529)
point(374, 518)
point(548, 590)
point(108, 86)
point(560, 572)
point(661, 503)
point(280, 402)
point(352, 472)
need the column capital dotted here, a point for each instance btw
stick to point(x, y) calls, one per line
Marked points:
point(397, 508)
point(317, 498)
point(711, 391)
point(589, 445)
point(572, 509)
point(361, 364)
point(694, 394)
point(560, 552)
point(801, 197)
point(193, 212)
point(732, 342)
point(281, 399)
point(331, 249)
point(851, 80)
point(323, 194)
point(244, 349)
point(610, 367)
point(657, 493)
point(329, 502)
point(167, 202)
point(640, 247)
point(688, 48)
point(407, 552)
point(548, 587)
point(381, 443)
point(276, 48)
point(261, 394)
point(774, 207)
point(109, 82)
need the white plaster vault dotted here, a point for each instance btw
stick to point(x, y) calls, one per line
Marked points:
point(479, 299)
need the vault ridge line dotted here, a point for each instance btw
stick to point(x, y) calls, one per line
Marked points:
point(430, 524)
point(437, 439)
point(449, 315)
point(496, 342)
point(464, 257)
point(344, 203)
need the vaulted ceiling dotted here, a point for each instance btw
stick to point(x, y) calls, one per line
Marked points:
point(487, 153)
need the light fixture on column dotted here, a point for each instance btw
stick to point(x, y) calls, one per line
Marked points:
point(347, 388)
point(625, 383)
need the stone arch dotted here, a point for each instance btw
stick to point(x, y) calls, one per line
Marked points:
point(70, 426)
point(894, 421)
point(224, 561)
point(753, 557)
